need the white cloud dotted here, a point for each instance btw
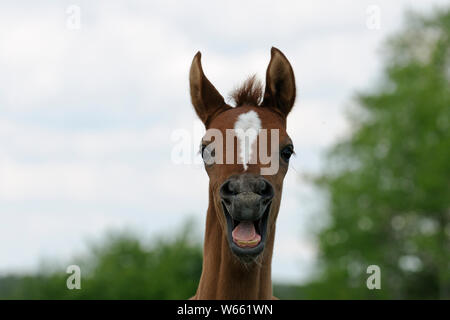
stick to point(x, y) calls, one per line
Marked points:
point(86, 116)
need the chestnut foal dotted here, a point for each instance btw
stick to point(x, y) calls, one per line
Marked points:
point(244, 191)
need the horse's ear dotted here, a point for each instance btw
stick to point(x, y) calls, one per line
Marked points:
point(206, 100)
point(280, 83)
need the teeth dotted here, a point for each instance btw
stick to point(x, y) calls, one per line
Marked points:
point(247, 242)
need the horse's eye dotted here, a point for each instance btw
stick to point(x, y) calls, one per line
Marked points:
point(208, 153)
point(287, 152)
point(202, 149)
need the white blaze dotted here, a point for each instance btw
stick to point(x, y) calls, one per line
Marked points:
point(247, 127)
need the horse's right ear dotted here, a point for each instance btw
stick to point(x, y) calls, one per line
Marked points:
point(280, 83)
point(206, 100)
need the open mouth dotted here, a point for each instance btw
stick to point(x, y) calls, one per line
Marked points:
point(247, 238)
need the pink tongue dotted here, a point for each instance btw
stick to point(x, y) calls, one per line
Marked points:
point(245, 231)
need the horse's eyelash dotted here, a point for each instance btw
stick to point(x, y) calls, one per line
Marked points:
point(201, 147)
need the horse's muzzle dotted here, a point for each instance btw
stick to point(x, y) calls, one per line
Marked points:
point(246, 201)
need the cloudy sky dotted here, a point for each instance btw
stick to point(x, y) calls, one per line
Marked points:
point(91, 93)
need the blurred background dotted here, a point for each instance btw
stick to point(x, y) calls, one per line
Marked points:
point(92, 92)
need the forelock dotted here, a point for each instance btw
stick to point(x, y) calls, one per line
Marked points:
point(249, 93)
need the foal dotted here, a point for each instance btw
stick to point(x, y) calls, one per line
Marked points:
point(245, 188)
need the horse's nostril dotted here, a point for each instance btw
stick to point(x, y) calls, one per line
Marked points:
point(228, 189)
point(264, 188)
point(261, 186)
point(233, 186)
point(258, 185)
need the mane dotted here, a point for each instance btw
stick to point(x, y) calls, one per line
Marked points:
point(249, 93)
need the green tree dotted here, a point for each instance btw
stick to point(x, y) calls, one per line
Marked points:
point(119, 267)
point(388, 184)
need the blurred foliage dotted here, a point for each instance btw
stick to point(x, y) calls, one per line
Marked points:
point(388, 183)
point(121, 267)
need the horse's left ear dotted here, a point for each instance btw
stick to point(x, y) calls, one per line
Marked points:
point(207, 101)
point(280, 83)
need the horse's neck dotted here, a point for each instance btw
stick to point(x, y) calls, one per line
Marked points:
point(223, 276)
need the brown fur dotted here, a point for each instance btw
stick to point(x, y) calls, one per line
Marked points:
point(250, 93)
point(224, 276)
